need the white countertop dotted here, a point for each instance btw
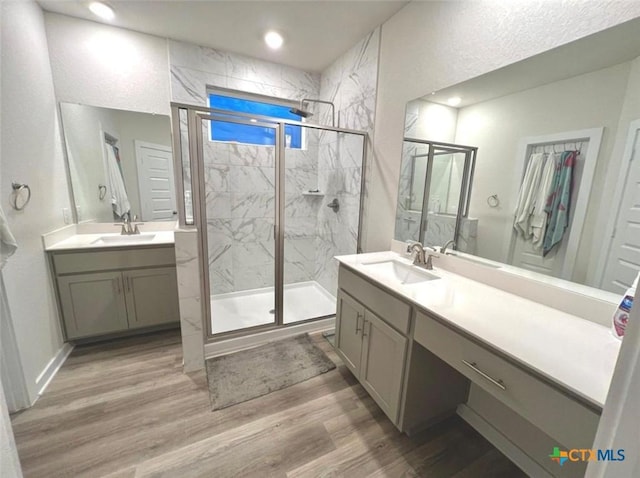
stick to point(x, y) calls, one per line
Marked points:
point(577, 354)
point(88, 241)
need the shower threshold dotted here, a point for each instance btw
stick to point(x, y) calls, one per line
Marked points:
point(249, 308)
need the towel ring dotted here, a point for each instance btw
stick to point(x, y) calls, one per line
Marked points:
point(493, 200)
point(17, 188)
point(102, 191)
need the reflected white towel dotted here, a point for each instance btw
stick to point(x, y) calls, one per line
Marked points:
point(528, 191)
point(119, 198)
point(539, 215)
point(8, 244)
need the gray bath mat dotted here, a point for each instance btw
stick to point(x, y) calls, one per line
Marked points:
point(251, 373)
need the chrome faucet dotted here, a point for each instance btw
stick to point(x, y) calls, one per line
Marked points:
point(416, 247)
point(422, 259)
point(127, 226)
point(452, 243)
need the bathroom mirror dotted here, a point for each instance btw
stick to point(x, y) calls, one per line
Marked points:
point(433, 194)
point(120, 164)
point(581, 98)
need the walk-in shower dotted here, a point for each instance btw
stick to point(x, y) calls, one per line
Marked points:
point(265, 213)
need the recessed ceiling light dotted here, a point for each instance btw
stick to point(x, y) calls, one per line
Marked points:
point(273, 40)
point(454, 101)
point(103, 11)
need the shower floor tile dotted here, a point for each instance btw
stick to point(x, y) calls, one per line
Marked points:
point(239, 310)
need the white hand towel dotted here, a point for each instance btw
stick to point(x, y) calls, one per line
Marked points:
point(119, 198)
point(526, 198)
point(539, 216)
point(8, 244)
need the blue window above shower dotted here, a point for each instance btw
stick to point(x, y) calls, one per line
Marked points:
point(250, 134)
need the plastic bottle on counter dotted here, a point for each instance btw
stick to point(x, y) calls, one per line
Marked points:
point(621, 316)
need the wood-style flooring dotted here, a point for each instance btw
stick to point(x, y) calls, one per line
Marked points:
point(124, 409)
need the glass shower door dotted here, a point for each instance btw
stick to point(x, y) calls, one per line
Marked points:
point(238, 184)
point(322, 188)
point(444, 199)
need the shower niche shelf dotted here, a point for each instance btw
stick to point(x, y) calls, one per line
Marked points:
point(312, 194)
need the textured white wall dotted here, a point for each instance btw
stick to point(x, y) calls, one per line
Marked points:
point(31, 152)
point(101, 65)
point(9, 461)
point(427, 46)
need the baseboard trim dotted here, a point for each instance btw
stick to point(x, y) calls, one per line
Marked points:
point(502, 443)
point(50, 371)
point(236, 344)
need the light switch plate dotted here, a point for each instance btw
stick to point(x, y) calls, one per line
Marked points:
point(66, 214)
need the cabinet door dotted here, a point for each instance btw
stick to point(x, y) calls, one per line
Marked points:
point(92, 304)
point(382, 368)
point(152, 296)
point(349, 323)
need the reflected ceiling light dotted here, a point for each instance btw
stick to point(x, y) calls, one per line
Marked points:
point(273, 40)
point(101, 10)
point(253, 120)
point(454, 101)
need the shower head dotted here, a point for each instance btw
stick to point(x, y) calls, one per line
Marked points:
point(301, 112)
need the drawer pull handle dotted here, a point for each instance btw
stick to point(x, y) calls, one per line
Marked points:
point(473, 366)
point(358, 317)
point(128, 284)
point(118, 286)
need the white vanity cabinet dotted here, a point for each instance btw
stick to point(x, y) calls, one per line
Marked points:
point(373, 351)
point(105, 292)
point(374, 342)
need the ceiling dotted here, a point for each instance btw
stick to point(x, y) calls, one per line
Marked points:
point(601, 50)
point(315, 32)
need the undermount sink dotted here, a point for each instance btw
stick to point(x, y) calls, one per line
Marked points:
point(399, 271)
point(124, 239)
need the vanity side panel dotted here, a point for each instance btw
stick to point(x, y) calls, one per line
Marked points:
point(523, 434)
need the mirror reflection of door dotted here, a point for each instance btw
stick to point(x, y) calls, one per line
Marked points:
point(155, 181)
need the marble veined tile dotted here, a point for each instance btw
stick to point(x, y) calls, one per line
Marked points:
point(248, 254)
point(216, 177)
point(252, 230)
point(300, 227)
point(300, 180)
point(215, 152)
point(251, 155)
point(298, 271)
point(298, 205)
point(186, 86)
point(252, 69)
point(252, 179)
point(218, 204)
point(299, 249)
point(256, 277)
point(252, 205)
point(295, 79)
point(190, 316)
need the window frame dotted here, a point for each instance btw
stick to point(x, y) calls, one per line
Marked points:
point(245, 95)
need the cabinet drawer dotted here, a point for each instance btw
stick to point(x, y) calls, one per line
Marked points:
point(74, 262)
point(561, 417)
point(395, 312)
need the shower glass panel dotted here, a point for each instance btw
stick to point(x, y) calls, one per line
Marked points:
point(270, 217)
point(322, 191)
point(240, 208)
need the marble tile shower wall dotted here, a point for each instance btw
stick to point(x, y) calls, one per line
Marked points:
point(240, 179)
point(350, 83)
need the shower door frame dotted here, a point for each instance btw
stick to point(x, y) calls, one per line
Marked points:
point(470, 153)
point(195, 116)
